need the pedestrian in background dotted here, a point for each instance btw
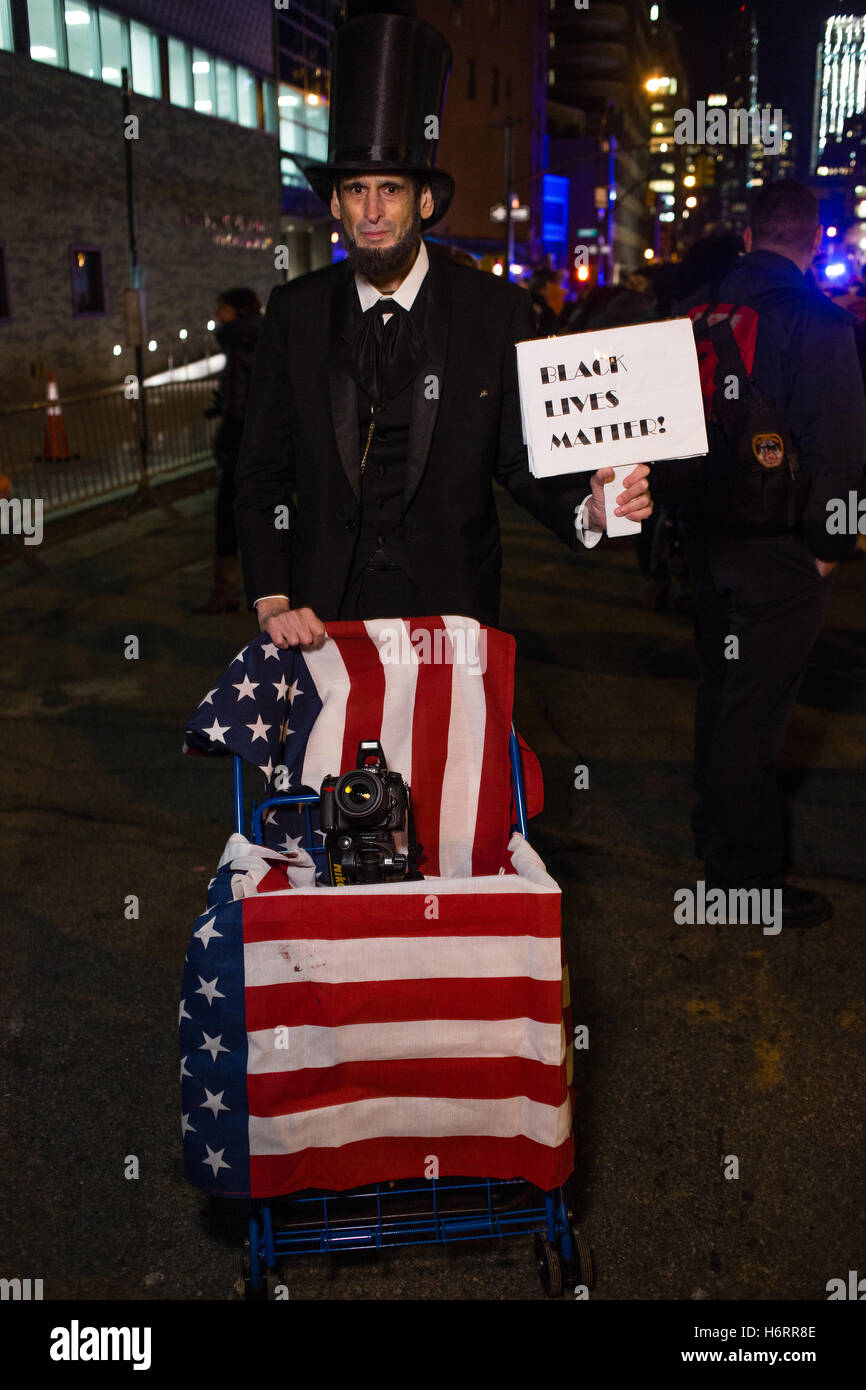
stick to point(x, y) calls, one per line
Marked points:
point(547, 297)
point(239, 313)
point(761, 556)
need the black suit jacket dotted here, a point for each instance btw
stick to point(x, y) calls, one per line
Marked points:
point(301, 447)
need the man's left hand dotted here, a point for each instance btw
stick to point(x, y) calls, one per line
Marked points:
point(634, 501)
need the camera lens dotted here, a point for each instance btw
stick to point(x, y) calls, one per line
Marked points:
point(359, 795)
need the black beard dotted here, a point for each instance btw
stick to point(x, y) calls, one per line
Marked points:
point(379, 263)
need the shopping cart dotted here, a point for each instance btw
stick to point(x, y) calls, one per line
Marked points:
point(386, 1215)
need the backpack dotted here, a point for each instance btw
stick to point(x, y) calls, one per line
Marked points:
point(755, 482)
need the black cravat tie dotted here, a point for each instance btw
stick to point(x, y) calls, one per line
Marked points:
point(382, 356)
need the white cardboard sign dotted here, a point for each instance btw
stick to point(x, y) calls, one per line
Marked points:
point(611, 397)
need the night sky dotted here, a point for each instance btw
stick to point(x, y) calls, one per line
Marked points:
point(788, 32)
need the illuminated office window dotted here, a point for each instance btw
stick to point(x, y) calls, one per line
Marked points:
point(179, 73)
point(203, 81)
point(247, 112)
point(5, 26)
point(293, 137)
point(145, 60)
point(46, 35)
point(291, 175)
point(226, 91)
point(82, 38)
point(270, 104)
point(316, 118)
point(114, 43)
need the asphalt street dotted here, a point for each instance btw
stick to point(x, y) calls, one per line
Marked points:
point(705, 1042)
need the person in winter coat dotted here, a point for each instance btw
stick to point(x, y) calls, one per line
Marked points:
point(239, 314)
point(767, 586)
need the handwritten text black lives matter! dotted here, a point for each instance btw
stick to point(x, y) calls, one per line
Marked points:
point(584, 406)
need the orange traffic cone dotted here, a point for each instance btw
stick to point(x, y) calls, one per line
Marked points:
point(56, 449)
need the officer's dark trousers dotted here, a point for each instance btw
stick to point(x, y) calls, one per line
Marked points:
point(766, 593)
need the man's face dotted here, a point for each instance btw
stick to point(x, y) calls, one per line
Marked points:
point(381, 220)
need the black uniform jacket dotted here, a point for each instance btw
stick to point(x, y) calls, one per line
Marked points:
point(806, 363)
point(301, 447)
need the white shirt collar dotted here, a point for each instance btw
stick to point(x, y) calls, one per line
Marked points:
point(404, 293)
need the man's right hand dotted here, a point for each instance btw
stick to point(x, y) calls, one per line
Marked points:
point(290, 627)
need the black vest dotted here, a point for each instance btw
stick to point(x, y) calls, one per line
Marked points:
point(381, 541)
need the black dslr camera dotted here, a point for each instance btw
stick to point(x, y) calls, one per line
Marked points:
point(359, 813)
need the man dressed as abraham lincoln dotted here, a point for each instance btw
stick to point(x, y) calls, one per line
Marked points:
point(384, 401)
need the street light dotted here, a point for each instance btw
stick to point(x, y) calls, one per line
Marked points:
point(691, 202)
point(649, 254)
point(689, 180)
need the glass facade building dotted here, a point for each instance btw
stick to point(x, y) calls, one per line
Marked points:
point(840, 84)
point(97, 42)
point(290, 103)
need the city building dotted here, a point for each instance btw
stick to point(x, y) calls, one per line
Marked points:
point(495, 96)
point(202, 140)
point(840, 87)
point(599, 60)
point(669, 197)
point(739, 168)
point(838, 146)
point(302, 41)
point(780, 163)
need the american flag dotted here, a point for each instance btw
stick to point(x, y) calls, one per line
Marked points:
point(436, 692)
point(333, 1037)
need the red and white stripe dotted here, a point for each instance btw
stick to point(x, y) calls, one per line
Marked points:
point(380, 1035)
point(444, 726)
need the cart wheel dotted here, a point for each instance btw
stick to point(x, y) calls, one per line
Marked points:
point(549, 1265)
point(579, 1269)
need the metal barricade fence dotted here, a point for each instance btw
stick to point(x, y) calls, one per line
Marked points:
point(102, 432)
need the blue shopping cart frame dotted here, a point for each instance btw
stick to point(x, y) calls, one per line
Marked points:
point(383, 1216)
